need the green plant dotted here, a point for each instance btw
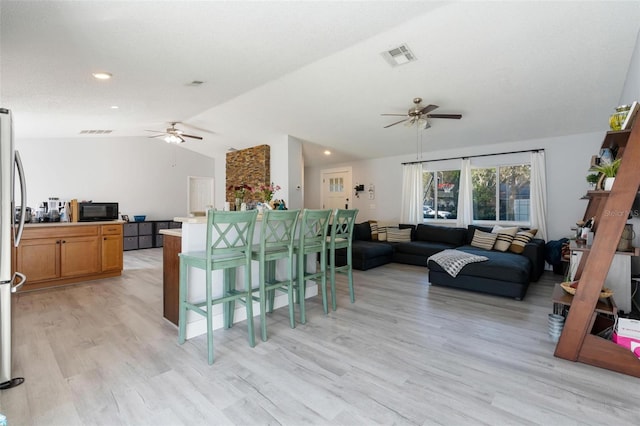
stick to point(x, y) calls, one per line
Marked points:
point(593, 178)
point(609, 169)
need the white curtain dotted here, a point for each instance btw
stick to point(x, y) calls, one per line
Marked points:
point(412, 194)
point(538, 194)
point(465, 195)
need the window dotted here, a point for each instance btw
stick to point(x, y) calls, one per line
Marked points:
point(501, 193)
point(440, 200)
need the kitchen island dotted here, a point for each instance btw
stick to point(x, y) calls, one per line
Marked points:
point(51, 254)
point(193, 237)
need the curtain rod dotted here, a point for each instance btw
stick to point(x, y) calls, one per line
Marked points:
point(474, 156)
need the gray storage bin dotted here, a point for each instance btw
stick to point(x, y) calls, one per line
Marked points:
point(130, 230)
point(158, 240)
point(145, 241)
point(130, 243)
point(145, 228)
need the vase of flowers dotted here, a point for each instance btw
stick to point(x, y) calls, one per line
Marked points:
point(265, 192)
point(240, 191)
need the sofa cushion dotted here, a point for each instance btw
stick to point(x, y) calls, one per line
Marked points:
point(362, 231)
point(507, 266)
point(521, 239)
point(365, 249)
point(422, 248)
point(409, 226)
point(483, 240)
point(471, 230)
point(395, 235)
point(441, 234)
point(505, 237)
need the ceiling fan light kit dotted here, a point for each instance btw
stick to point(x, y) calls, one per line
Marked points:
point(419, 115)
point(173, 135)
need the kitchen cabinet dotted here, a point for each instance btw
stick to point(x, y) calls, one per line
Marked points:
point(57, 254)
point(111, 248)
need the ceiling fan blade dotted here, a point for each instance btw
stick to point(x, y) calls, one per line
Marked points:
point(397, 122)
point(157, 136)
point(428, 108)
point(399, 115)
point(190, 136)
point(454, 116)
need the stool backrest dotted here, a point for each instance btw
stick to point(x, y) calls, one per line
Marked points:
point(278, 229)
point(342, 225)
point(230, 232)
point(314, 226)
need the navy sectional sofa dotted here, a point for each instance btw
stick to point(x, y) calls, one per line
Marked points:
point(504, 274)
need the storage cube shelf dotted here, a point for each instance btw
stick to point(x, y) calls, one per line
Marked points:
point(141, 235)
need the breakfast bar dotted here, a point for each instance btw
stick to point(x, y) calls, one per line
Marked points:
point(192, 237)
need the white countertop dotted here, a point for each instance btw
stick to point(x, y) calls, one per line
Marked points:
point(201, 219)
point(176, 232)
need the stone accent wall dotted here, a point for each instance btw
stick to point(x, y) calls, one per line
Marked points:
point(250, 166)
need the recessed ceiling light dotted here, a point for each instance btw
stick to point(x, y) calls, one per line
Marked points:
point(327, 152)
point(114, 107)
point(102, 75)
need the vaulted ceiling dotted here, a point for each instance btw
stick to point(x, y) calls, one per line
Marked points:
point(314, 70)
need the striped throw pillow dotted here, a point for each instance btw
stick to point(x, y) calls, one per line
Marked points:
point(521, 239)
point(505, 237)
point(374, 230)
point(382, 233)
point(483, 240)
point(395, 235)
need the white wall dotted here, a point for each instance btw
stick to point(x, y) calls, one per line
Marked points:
point(146, 176)
point(568, 160)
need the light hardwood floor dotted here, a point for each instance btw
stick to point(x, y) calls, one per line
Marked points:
point(404, 353)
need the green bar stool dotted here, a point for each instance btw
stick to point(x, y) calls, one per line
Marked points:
point(277, 235)
point(229, 244)
point(312, 239)
point(341, 237)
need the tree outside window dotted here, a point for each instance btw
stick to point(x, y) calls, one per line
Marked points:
point(440, 199)
point(508, 201)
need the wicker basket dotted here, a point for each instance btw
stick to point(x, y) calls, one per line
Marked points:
point(606, 292)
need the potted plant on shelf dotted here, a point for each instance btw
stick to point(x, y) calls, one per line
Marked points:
point(592, 179)
point(609, 170)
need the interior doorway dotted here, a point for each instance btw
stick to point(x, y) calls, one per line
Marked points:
point(336, 188)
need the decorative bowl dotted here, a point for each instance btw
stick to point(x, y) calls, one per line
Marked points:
point(140, 218)
point(606, 292)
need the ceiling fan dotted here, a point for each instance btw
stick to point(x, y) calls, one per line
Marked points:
point(173, 135)
point(420, 115)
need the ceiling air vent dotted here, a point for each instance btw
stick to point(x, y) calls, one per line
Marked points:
point(195, 83)
point(95, 132)
point(399, 56)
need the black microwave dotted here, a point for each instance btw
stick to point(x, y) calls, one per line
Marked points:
point(89, 212)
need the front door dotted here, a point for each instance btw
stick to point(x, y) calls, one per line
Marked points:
point(336, 188)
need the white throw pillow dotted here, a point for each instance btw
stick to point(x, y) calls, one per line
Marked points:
point(504, 238)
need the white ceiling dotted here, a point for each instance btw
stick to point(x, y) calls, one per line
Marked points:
point(314, 70)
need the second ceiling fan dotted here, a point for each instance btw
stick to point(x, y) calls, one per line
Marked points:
point(420, 115)
point(173, 135)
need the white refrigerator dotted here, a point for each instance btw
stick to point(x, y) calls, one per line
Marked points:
point(11, 226)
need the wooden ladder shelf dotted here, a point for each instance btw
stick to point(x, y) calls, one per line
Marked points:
point(611, 210)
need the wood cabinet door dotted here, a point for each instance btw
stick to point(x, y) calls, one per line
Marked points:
point(39, 259)
point(112, 253)
point(79, 256)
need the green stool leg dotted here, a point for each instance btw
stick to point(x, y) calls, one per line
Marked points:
point(209, 321)
point(323, 280)
point(333, 279)
point(301, 287)
point(248, 303)
point(263, 304)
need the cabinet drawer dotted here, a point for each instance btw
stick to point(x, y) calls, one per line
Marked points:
point(130, 243)
point(111, 229)
point(145, 241)
point(60, 231)
point(145, 228)
point(130, 229)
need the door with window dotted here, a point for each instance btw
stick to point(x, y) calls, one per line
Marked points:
point(336, 188)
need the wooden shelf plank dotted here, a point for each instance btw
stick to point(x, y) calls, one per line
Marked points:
point(603, 353)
